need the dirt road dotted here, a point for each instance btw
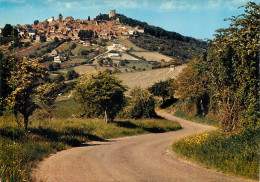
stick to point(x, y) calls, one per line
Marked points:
point(136, 158)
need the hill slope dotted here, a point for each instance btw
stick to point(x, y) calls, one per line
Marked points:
point(157, 39)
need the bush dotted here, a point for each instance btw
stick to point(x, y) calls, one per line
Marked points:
point(140, 104)
point(72, 74)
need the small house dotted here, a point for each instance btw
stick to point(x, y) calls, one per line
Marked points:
point(59, 59)
point(54, 52)
point(38, 38)
point(116, 45)
point(172, 67)
point(86, 43)
point(32, 33)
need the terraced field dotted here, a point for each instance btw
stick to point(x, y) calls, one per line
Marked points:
point(145, 79)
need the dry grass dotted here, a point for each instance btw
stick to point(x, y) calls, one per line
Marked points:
point(153, 56)
point(84, 69)
point(129, 44)
point(145, 79)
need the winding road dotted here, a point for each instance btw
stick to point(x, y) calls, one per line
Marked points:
point(129, 159)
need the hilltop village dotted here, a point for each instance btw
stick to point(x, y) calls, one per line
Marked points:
point(69, 28)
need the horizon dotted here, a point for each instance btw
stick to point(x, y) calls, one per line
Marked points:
point(198, 19)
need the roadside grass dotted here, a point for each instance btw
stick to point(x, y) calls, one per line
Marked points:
point(196, 119)
point(234, 154)
point(21, 151)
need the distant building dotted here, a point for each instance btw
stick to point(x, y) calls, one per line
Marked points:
point(38, 38)
point(116, 45)
point(69, 19)
point(1, 30)
point(31, 33)
point(86, 43)
point(50, 19)
point(54, 52)
point(172, 67)
point(59, 59)
point(112, 13)
point(60, 18)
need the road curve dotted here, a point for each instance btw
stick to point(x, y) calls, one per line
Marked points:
point(133, 159)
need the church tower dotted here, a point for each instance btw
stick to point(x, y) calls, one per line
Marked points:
point(112, 13)
point(60, 18)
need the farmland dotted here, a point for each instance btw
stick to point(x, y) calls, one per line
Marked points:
point(152, 56)
point(145, 79)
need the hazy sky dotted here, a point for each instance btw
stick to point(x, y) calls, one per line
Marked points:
point(195, 18)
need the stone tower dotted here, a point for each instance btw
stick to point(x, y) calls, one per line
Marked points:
point(60, 18)
point(112, 13)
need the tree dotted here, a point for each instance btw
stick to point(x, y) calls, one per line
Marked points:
point(36, 22)
point(141, 104)
point(71, 74)
point(5, 73)
point(24, 81)
point(73, 46)
point(160, 89)
point(9, 31)
point(47, 94)
point(226, 75)
point(85, 34)
point(100, 94)
point(59, 78)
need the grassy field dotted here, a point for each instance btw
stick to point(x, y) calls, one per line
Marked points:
point(21, 151)
point(237, 154)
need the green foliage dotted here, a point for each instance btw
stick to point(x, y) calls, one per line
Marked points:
point(85, 34)
point(180, 50)
point(73, 46)
point(47, 94)
point(9, 31)
point(26, 74)
point(5, 73)
point(236, 154)
point(141, 104)
point(59, 78)
point(99, 93)
point(71, 74)
point(225, 78)
point(160, 89)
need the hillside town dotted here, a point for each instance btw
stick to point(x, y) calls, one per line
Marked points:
point(69, 28)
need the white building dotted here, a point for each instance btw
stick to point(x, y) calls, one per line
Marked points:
point(58, 59)
point(32, 33)
point(50, 19)
point(116, 45)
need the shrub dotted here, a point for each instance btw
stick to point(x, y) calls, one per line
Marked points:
point(140, 104)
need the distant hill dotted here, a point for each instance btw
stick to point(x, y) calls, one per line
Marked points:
point(166, 42)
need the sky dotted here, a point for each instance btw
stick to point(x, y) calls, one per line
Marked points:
point(195, 18)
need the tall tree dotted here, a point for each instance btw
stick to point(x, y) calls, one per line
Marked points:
point(24, 80)
point(160, 89)
point(100, 94)
point(9, 31)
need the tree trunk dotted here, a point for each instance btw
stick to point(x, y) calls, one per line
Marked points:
point(26, 118)
point(106, 120)
point(163, 100)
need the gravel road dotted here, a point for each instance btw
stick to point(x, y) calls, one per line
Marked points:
point(129, 159)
